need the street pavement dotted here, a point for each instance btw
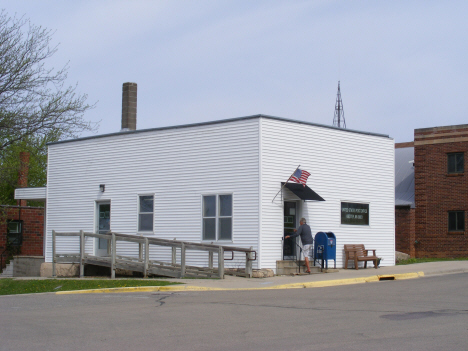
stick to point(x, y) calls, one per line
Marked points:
point(428, 269)
point(427, 314)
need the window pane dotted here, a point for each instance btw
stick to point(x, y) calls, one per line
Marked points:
point(459, 163)
point(13, 227)
point(15, 239)
point(353, 213)
point(209, 206)
point(102, 244)
point(452, 218)
point(225, 204)
point(451, 163)
point(146, 203)
point(145, 222)
point(461, 221)
point(225, 228)
point(209, 229)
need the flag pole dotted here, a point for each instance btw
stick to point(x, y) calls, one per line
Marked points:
point(285, 183)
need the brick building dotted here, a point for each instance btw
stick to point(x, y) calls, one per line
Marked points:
point(24, 226)
point(21, 226)
point(440, 193)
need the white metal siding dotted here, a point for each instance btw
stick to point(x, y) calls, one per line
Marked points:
point(344, 166)
point(38, 193)
point(180, 165)
point(177, 165)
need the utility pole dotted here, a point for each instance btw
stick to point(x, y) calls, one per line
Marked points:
point(339, 120)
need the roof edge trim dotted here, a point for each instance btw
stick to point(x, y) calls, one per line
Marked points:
point(235, 119)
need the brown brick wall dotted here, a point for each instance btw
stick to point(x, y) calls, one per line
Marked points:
point(404, 230)
point(437, 192)
point(33, 228)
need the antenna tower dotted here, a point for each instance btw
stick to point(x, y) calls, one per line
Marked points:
point(339, 120)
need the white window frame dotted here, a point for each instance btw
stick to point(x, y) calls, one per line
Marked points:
point(217, 217)
point(138, 214)
point(18, 229)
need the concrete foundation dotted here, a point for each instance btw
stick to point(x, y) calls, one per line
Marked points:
point(27, 266)
point(62, 269)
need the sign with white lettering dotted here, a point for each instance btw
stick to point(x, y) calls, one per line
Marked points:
point(352, 213)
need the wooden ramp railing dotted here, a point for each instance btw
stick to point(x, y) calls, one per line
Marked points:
point(143, 264)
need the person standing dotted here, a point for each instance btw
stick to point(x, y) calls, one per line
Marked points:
point(305, 233)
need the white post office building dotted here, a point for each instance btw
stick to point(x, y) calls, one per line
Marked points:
point(216, 182)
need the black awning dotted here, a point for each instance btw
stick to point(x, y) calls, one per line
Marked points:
point(303, 192)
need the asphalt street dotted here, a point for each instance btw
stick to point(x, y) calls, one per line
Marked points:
point(429, 313)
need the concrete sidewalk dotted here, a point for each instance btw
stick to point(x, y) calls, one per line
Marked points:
point(341, 277)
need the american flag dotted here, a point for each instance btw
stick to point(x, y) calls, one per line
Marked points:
point(300, 177)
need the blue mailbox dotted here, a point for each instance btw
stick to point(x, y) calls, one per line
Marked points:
point(325, 247)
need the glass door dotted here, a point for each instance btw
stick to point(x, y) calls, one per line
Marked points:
point(289, 245)
point(103, 226)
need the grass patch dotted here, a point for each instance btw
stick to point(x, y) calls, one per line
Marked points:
point(422, 260)
point(9, 286)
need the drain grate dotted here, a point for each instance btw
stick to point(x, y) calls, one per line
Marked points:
point(386, 277)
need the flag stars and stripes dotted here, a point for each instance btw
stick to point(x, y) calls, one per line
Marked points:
point(300, 176)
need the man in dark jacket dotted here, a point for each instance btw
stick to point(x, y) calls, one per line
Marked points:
point(306, 238)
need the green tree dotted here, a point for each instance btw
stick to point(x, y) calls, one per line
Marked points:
point(10, 166)
point(36, 106)
point(34, 100)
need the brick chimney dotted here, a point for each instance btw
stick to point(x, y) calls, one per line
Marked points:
point(23, 174)
point(129, 106)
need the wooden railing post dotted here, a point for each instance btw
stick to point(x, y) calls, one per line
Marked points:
point(114, 254)
point(221, 262)
point(140, 251)
point(182, 261)
point(53, 254)
point(82, 253)
point(145, 271)
point(248, 263)
point(210, 259)
point(174, 255)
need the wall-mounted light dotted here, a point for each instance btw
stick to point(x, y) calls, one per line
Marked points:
point(102, 187)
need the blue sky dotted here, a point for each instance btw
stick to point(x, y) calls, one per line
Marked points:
point(402, 64)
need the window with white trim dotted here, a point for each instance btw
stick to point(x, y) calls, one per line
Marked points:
point(217, 217)
point(15, 232)
point(145, 213)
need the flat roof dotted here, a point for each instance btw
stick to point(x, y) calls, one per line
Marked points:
point(219, 122)
point(441, 128)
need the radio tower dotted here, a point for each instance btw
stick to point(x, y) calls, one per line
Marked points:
point(338, 120)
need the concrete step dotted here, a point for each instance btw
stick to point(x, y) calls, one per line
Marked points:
point(292, 270)
point(7, 271)
point(292, 267)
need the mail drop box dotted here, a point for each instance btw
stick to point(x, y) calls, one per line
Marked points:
point(325, 248)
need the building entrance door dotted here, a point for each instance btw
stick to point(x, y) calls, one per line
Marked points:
point(290, 216)
point(103, 226)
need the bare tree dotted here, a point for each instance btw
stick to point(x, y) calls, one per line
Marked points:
point(34, 99)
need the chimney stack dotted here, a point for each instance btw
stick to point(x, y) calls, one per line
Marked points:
point(23, 174)
point(129, 106)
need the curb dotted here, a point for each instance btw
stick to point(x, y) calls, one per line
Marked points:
point(318, 284)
